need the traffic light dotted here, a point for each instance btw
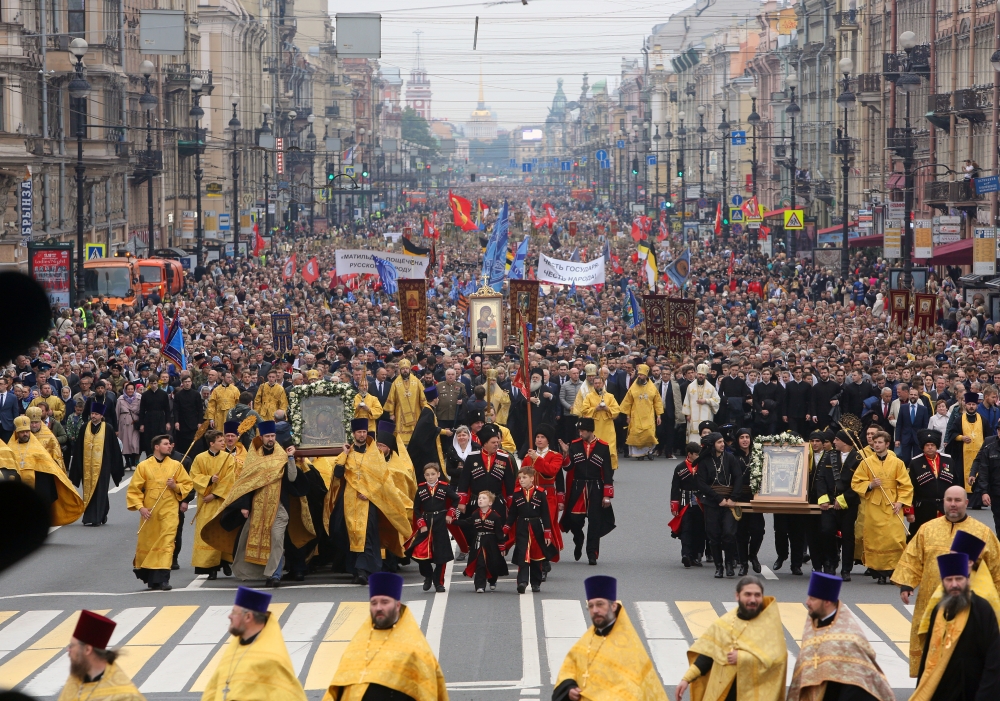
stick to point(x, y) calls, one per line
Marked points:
point(364, 170)
point(635, 166)
point(330, 172)
point(668, 204)
point(680, 169)
point(472, 177)
point(725, 219)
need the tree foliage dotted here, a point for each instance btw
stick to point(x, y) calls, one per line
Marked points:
point(416, 130)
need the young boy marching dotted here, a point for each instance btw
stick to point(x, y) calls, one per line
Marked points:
point(433, 510)
point(486, 561)
point(532, 531)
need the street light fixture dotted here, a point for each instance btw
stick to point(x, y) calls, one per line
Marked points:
point(148, 103)
point(908, 82)
point(792, 110)
point(701, 152)
point(311, 148)
point(682, 170)
point(846, 101)
point(724, 129)
point(754, 120)
point(79, 89)
point(234, 220)
point(196, 113)
point(265, 140)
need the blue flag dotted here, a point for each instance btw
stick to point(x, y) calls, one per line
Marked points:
point(453, 295)
point(575, 255)
point(572, 289)
point(388, 274)
point(351, 297)
point(635, 310)
point(607, 252)
point(517, 267)
point(495, 260)
point(174, 346)
point(680, 269)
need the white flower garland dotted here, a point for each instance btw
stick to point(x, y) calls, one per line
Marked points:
point(322, 388)
point(757, 456)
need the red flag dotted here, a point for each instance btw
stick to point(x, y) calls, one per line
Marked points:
point(430, 231)
point(310, 271)
point(751, 209)
point(461, 210)
point(636, 231)
point(550, 212)
point(572, 228)
point(163, 331)
point(259, 242)
point(288, 271)
point(718, 219)
point(732, 260)
point(433, 256)
point(616, 264)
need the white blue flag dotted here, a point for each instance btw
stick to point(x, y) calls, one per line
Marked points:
point(495, 260)
point(517, 267)
point(388, 274)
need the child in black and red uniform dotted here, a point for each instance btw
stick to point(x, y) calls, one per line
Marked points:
point(532, 531)
point(433, 510)
point(485, 535)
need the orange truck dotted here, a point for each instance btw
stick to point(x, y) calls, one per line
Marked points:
point(120, 281)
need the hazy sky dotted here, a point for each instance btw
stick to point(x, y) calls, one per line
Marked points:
point(522, 49)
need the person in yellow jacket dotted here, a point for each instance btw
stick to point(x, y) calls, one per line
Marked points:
point(601, 406)
point(270, 397)
point(388, 657)
point(213, 473)
point(405, 401)
point(223, 398)
point(255, 664)
point(367, 406)
point(45, 436)
point(643, 407)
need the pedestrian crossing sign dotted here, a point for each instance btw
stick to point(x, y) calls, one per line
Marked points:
point(794, 219)
point(95, 251)
point(735, 214)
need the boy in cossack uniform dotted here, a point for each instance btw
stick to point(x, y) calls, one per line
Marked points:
point(433, 511)
point(529, 528)
point(688, 523)
point(590, 486)
point(485, 533)
point(548, 465)
point(487, 470)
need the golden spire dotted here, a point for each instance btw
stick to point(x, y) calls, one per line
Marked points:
point(482, 100)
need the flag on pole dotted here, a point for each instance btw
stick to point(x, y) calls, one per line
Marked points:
point(517, 269)
point(347, 157)
point(575, 255)
point(680, 269)
point(388, 274)
point(173, 347)
point(259, 242)
point(635, 310)
point(411, 249)
point(461, 210)
point(554, 242)
point(288, 271)
point(510, 261)
point(718, 219)
point(647, 254)
point(310, 271)
point(430, 231)
point(494, 262)
point(606, 252)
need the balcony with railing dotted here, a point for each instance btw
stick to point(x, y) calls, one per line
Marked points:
point(957, 193)
point(837, 146)
point(939, 110)
point(177, 76)
point(900, 140)
point(918, 59)
point(846, 21)
point(190, 142)
point(972, 103)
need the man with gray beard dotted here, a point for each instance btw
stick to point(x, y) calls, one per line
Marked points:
point(961, 658)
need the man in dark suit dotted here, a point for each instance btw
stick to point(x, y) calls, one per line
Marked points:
point(856, 391)
point(380, 386)
point(618, 387)
point(798, 403)
point(912, 417)
point(881, 411)
point(666, 431)
point(10, 408)
point(825, 394)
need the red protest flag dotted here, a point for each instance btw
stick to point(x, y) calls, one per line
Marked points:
point(461, 210)
point(310, 271)
point(288, 271)
point(718, 219)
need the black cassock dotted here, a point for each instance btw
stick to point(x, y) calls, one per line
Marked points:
point(154, 410)
point(112, 467)
point(423, 445)
point(517, 417)
point(973, 672)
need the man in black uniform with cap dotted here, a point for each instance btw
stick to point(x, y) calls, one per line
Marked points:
point(488, 469)
point(154, 415)
point(720, 479)
point(590, 486)
point(931, 474)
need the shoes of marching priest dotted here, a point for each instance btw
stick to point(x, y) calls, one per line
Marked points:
point(272, 583)
point(521, 588)
point(227, 570)
point(797, 570)
point(755, 563)
point(846, 576)
point(686, 561)
point(480, 591)
point(778, 563)
point(439, 588)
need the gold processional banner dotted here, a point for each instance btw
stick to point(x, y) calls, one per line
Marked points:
point(523, 303)
point(413, 309)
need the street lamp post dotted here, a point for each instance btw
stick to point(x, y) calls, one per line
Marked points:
point(793, 110)
point(266, 141)
point(79, 89)
point(701, 152)
point(311, 149)
point(668, 136)
point(148, 103)
point(724, 129)
point(907, 83)
point(234, 220)
point(846, 101)
point(656, 171)
point(754, 120)
point(197, 113)
point(682, 167)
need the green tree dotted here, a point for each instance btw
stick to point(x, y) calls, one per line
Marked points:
point(416, 130)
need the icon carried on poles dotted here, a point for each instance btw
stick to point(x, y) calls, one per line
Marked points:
point(794, 219)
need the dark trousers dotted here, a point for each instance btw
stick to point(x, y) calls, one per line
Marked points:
point(799, 425)
point(593, 539)
point(446, 423)
point(680, 439)
point(765, 425)
point(995, 507)
point(720, 525)
point(5, 434)
point(480, 579)
point(432, 571)
point(693, 533)
point(180, 532)
point(845, 522)
point(749, 536)
point(665, 437)
point(789, 528)
point(530, 574)
point(821, 532)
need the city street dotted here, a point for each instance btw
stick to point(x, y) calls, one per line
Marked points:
point(492, 646)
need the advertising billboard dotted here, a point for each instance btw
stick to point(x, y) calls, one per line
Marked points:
point(52, 267)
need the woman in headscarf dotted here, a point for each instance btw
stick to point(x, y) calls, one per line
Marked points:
point(456, 453)
point(127, 409)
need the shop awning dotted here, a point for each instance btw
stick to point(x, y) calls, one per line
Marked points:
point(896, 181)
point(838, 227)
point(865, 241)
point(957, 253)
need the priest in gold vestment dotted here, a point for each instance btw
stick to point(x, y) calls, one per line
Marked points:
point(601, 406)
point(405, 400)
point(213, 473)
point(159, 484)
point(223, 398)
point(97, 459)
point(917, 568)
point(389, 655)
point(255, 664)
point(497, 397)
point(609, 661)
point(94, 674)
point(266, 504)
point(271, 397)
point(365, 509)
point(45, 436)
point(745, 648)
point(367, 406)
point(884, 484)
point(643, 407)
point(38, 470)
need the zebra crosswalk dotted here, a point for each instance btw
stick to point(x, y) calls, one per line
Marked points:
point(175, 648)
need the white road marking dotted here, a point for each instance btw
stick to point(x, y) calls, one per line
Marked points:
point(564, 622)
point(24, 628)
point(435, 625)
point(417, 608)
point(667, 644)
point(210, 627)
point(177, 668)
point(766, 571)
point(121, 486)
point(198, 580)
point(531, 674)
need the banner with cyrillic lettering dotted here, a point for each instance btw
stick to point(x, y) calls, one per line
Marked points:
point(360, 261)
point(565, 272)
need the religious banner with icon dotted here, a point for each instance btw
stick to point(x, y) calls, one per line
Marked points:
point(655, 308)
point(925, 312)
point(281, 332)
point(523, 303)
point(899, 306)
point(681, 314)
point(413, 309)
point(572, 228)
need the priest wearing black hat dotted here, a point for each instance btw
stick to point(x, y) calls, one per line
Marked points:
point(837, 662)
point(93, 672)
point(844, 459)
point(425, 441)
point(590, 489)
point(931, 473)
point(488, 469)
point(961, 657)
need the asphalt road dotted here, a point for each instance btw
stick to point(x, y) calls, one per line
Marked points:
point(491, 646)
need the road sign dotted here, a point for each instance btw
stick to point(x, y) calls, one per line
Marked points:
point(735, 214)
point(621, 143)
point(739, 138)
point(663, 205)
point(224, 221)
point(526, 167)
point(94, 251)
point(737, 200)
point(702, 203)
point(605, 164)
point(651, 160)
point(601, 155)
point(349, 170)
point(988, 184)
point(534, 161)
point(513, 163)
point(566, 165)
point(794, 219)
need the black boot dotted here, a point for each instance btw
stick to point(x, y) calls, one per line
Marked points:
point(755, 563)
point(730, 571)
point(744, 569)
point(718, 571)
